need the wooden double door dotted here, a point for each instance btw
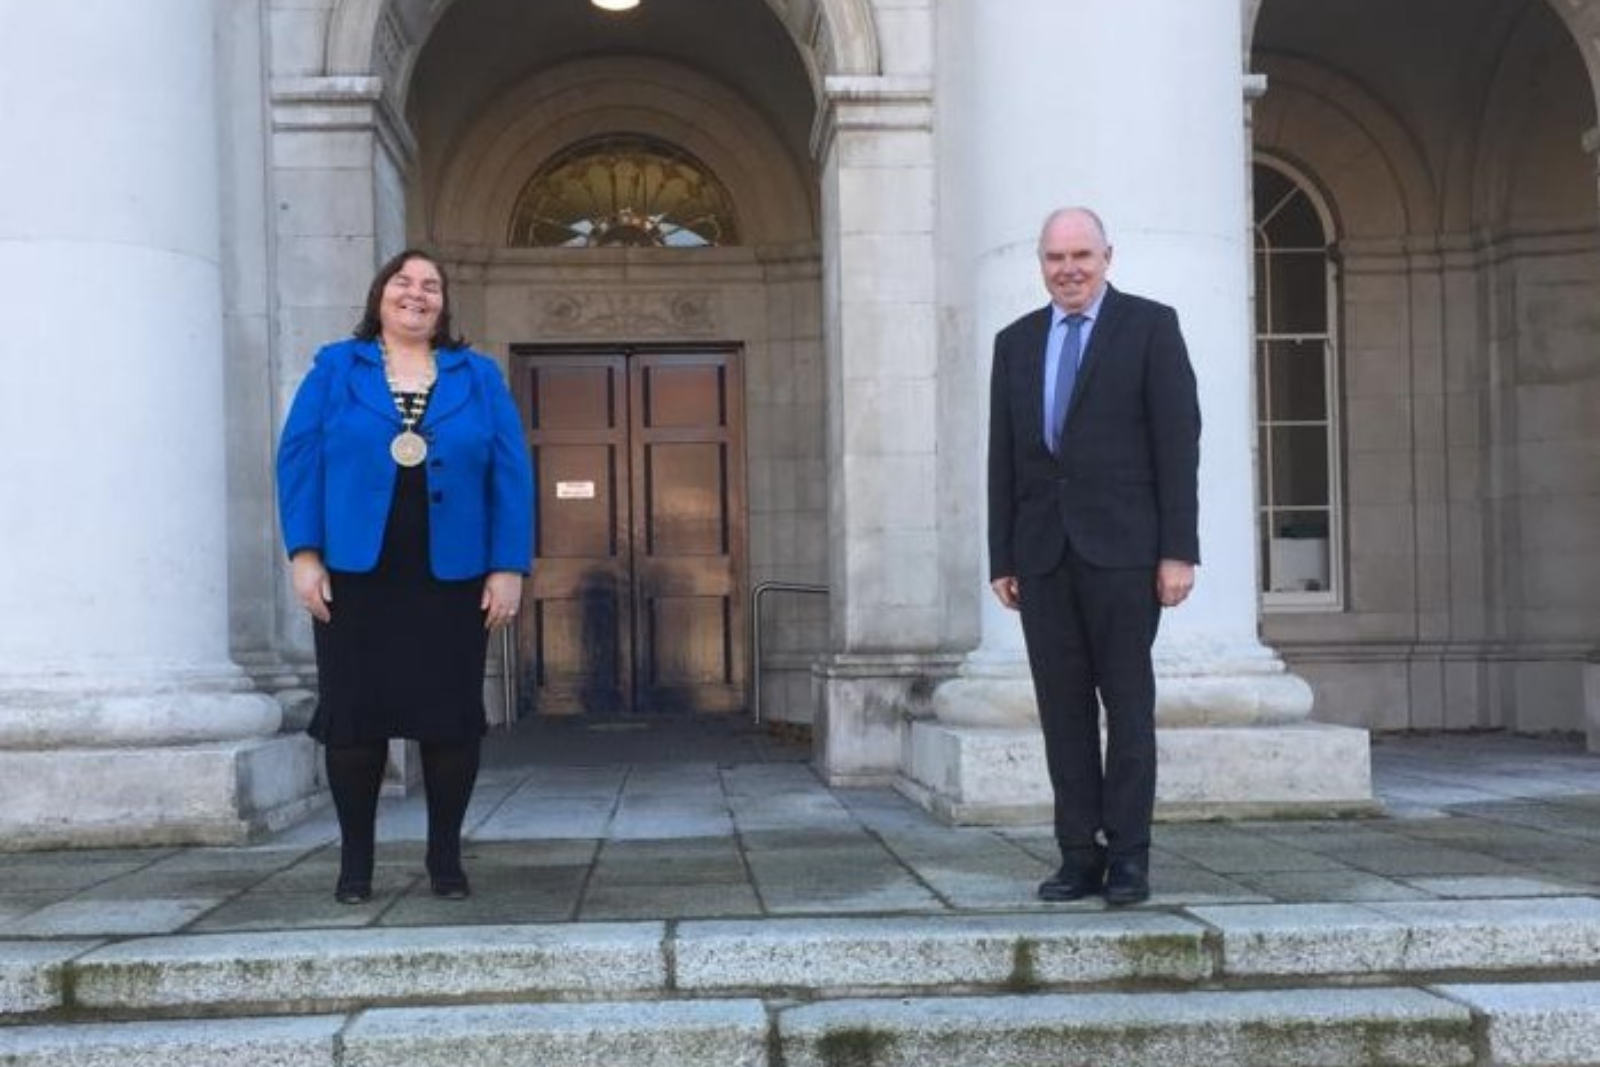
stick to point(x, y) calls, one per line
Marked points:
point(637, 603)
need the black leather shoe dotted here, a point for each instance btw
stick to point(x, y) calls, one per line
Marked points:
point(1074, 880)
point(450, 886)
point(352, 891)
point(1127, 881)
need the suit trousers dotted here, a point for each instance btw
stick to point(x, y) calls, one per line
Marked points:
point(1089, 631)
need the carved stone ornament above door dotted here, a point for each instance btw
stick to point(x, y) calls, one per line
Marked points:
point(634, 315)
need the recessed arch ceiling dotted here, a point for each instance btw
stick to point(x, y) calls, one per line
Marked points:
point(478, 51)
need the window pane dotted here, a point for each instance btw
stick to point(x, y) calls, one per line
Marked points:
point(1299, 465)
point(1296, 376)
point(1271, 186)
point(1263, 292)
point(1263, 467)
point(625, 190)
point(1298, 283)
point(1297, 556)
point(1296, 225)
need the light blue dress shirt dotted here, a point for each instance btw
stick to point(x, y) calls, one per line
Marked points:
point(1052, 352)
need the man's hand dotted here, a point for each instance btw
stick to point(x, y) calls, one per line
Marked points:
point(1007, 591)
point(1174, 579)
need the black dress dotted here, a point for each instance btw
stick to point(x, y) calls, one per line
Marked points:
point(404, 653)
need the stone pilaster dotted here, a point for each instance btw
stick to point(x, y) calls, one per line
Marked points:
point(341, 155)
point(874, 138)
point(122, 717)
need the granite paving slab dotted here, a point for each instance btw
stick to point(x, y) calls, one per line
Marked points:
point(812, 880)
point(1228, 851)
point(698, 900)
point(1339, 885)
point(63, 872)
point(273, 910)
point(1469, 887)
point(93, 918)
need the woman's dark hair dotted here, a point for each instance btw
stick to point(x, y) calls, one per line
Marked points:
point(371, 326)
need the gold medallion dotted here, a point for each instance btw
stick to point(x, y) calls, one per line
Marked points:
point(408, 448)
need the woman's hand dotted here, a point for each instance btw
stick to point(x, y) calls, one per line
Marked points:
point(502, 593)
point(311, 585)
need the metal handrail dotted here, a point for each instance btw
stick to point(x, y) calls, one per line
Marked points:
point(761, 590)
point(508, 671)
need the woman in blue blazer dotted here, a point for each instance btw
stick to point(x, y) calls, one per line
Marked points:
point(406, 498)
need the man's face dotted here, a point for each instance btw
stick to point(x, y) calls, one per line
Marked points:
point(1073, 257)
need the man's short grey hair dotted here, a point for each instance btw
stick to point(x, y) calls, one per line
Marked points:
point(1059, 212)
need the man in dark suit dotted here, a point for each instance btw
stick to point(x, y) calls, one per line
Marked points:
point(1094, 445)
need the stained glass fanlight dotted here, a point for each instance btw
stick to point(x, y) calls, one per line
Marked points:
point(623, 190)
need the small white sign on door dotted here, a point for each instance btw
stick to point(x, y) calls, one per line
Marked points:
point(574, 490)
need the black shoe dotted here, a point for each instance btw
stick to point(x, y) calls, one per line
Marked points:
point(1074, 880)
point(353, 891)
point(1127, 881)
point(450, 886)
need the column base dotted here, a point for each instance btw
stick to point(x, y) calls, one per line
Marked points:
point(996, 776)
point(218, 793)
point(863, 704)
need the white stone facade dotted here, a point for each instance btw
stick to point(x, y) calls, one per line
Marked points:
point(215, 181)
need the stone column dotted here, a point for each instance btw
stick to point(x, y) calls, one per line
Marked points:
point(122, 718)
point(1140, 116)
point(874, 138)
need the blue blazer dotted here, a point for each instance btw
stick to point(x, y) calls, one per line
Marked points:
point(336, 479)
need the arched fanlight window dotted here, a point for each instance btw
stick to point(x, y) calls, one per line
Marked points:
point(623, 190)
point(1297, 395)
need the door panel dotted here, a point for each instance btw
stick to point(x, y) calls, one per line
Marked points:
point(688, 530)
point(575, 646)
point(637, 599)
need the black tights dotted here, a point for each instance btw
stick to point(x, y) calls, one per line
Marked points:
point(355, 776)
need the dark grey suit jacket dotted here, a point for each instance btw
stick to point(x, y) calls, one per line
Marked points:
point(1123, 492)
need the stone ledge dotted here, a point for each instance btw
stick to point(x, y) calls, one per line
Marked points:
point(712, 1033)
point(1330, 945)
point(996, 776)
point(327, 969)
point(33, 974)
point(1283, 1028)
point(1280, 1028)
point(219, 793)
point(1539, 1024)
point(822, 956)
point(1456, 1025)
point(304, 1042)
point(1407, 937)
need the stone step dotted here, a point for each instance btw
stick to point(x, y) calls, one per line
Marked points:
point(1549, 1025)
point(318, 971)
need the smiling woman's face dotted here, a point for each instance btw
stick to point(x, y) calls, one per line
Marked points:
point(412, 300)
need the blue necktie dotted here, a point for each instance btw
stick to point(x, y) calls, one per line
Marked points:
point(1066, 377)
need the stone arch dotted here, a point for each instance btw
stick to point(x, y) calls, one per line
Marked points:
point(1520, 103)
point(1366, 164)
point(1582, 19)
point(384, 37)
point(493, 159)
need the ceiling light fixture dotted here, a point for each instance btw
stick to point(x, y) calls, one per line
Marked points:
point(615, 5)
